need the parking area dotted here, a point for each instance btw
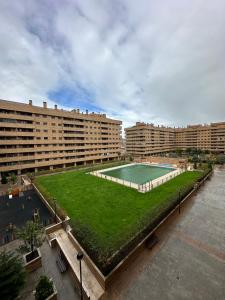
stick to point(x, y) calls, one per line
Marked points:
point(189, 260)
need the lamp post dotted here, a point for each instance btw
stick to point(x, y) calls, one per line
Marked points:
point(80, 256)
point(55, 210)
point(179, 200)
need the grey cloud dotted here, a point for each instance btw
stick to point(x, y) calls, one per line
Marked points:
point(156, 61)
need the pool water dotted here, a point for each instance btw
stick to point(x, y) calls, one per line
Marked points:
point(138, 174)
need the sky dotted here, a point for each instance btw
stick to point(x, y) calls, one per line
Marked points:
point(158, 61)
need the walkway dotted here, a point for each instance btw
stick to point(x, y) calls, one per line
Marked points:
point(90, 284)
point(63, 282)
point(189, 261)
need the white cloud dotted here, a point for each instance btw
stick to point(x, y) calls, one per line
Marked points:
point(154, 61)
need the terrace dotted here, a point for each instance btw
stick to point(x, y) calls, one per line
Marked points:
point(109, 219)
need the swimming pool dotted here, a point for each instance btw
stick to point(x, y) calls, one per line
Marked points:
point(138, 173)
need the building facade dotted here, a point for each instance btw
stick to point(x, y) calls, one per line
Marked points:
point(146, 139)
point(36, 138)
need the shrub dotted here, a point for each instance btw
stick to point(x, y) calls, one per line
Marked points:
point(4, 179)
point(209, 165)
point(12, 275)
point(15, 192)
point(220, 159)
point(32, 235)
point(13, 178)
point(44, 288)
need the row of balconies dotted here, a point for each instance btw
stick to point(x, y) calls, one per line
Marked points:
point(58, 148)
point(42, 134)
point(54, 155)
point(53, 162)
point(46, 118)
point(16, 125)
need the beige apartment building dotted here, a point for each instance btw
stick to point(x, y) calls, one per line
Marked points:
point(36, 138)
point(146, 139)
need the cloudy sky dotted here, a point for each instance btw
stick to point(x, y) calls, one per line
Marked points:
point(155, 61)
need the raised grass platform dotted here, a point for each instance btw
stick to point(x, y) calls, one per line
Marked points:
point(107, 217)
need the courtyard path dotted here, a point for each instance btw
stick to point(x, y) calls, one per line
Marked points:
point(189, 261)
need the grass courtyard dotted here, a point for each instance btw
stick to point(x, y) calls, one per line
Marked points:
point(106, 215)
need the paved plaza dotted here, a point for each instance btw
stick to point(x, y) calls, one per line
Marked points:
point(189, 261)
point(18, 210)
point(63, 282)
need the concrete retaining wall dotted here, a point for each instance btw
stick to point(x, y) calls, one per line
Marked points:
point(46, 203)
point(97, 273)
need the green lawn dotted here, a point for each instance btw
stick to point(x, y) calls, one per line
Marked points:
point(105, 214)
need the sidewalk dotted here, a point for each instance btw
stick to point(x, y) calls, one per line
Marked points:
point(90, 284)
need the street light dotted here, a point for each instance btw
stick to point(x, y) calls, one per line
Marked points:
point(80, 256)
point(179, 200)
point(55, 209)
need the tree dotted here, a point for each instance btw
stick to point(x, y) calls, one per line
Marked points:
point(12, 275)
point(44, 288)
point(4, 179)
point(209, 165)
point(32, 235)
point(220, 159)
point(179, 152)
point(31, 176)
point(188, 150)
point(195, 158)
point(13, 178)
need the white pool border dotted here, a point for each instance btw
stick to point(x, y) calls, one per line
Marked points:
point(145, 187)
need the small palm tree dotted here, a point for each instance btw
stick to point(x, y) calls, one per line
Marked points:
point(13, 178)
point(32, 235)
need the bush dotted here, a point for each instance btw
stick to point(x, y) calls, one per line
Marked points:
point(4, 179)
point(13, 178)
point(44, 288)
point(32, 236)
point(12, 275)
point(220, 159)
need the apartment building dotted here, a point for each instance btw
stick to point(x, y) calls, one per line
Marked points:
point(146, 139)
point(36, 138)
